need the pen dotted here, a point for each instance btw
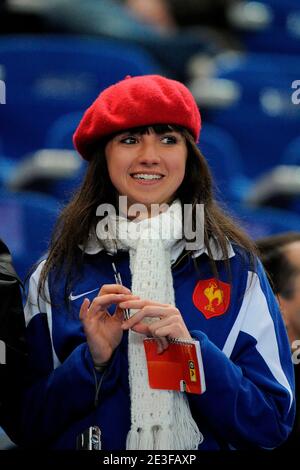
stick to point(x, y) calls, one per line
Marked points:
point(118, 280)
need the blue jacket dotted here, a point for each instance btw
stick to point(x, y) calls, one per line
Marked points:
point(248, 401)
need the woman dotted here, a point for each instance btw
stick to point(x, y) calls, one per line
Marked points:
point(87, 361)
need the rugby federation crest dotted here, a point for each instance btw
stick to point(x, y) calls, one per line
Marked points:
point(212, 297)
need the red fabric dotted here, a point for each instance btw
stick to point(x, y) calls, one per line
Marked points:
point(133, 102)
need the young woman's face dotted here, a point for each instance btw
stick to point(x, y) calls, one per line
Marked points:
point(147, 168)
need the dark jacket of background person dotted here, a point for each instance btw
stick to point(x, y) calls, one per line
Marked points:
point(280, 255)
point(12, 344)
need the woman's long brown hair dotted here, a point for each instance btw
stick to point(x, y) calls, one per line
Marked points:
point(79, 216)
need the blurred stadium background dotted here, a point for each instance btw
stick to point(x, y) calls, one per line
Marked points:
point(240, 59)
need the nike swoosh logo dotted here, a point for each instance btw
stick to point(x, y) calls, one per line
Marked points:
point(74, 297)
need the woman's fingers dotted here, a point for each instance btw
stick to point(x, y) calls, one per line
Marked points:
point(148, 329)
point(162, 344)
point(141, 328)
point(113, 289)
point(84, 309)
point(148, 311)
point(171, 326)
point(173, 332)
point(104, 301)
point(171, 322)
point(141, 303)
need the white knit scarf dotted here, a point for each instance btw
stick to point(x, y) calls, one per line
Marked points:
point(160, 419)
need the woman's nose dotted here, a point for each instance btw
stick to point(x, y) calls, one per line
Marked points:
point(149, 153)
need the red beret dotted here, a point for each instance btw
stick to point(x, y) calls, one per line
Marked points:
point(134, 102)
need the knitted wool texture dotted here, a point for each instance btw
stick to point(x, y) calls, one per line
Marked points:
point(133, 102)
point(160, 419)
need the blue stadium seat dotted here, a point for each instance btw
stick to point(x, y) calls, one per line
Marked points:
point(261, 222)
point(281, 9)
point(225, 162)
point(112, 19)
point(281, 33)
point(291, 155)
point(262, 118)
point(50, 76)
point(26, 223)
point(7, 167)
point(54, 171)
point(59, 135)
point(257, 66)
point(272, 40)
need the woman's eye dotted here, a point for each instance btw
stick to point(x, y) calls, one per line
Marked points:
point(169, 139)
point(128, 140)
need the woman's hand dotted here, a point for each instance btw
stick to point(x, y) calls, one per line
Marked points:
point(168, 321)
point(104, 331)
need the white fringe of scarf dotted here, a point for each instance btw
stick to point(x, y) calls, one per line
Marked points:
point(160, 419)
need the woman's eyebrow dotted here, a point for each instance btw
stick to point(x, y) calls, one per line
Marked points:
point(124, 134)
point(168, 132)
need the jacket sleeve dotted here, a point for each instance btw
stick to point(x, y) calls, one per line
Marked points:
point(57, 394)
point(249, 384)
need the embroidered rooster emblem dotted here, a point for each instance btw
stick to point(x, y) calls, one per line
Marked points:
point(213, 293)
point(212, 297)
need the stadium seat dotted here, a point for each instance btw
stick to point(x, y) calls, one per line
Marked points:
point(59, 135)
point(57, 172)
point(52, 76)
point(291, 155)
point(26, 222)
point(268, 25)
point(261, 116)
point(7, 167)
point(261, 222)
point(225, 162)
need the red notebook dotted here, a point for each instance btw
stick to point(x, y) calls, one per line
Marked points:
point(179, 367)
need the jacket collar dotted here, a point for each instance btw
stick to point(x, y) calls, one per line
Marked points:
point(216, 250)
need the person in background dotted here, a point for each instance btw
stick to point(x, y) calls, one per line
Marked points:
point(13, 352)
point(171, 14)
point(113, 19)
point(280, 255)
point(87, 362)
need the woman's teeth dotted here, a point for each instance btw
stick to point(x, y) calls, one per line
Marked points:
point(142, 176)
